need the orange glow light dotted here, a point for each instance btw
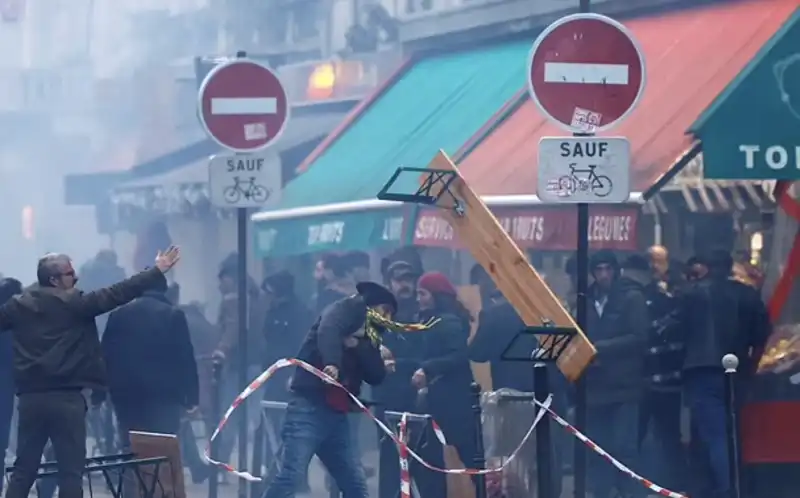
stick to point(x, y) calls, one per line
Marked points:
point(322, 82)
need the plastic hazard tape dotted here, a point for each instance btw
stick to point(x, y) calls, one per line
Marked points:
point(401, 439)
point(288, 362)
point(600, 451)
point(402, 449)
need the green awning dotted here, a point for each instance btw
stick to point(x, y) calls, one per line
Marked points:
point(332, 232)
point(752, 130)
point(439, 102)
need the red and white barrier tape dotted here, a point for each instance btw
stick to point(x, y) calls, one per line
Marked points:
point(401, 439)
point(402, 449)
point(613, 461)
point(287, 362)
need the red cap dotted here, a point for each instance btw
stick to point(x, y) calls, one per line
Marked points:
point(436, 282)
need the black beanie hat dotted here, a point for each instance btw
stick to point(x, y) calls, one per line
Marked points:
point(281, 283)
point(603, 257)
point(376, 294)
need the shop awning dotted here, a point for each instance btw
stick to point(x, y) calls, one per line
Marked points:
point(190, 167)
point(751, 130)
point(691, 56)
point(436, 103)
point(704, 195)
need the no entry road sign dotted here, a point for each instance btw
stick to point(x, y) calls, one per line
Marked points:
point(242, 105)
point(586, 72)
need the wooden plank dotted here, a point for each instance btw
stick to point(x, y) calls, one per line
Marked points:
point(493, 248)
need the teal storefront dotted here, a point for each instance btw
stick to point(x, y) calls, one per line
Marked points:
point(437, 102)
point(752, 131)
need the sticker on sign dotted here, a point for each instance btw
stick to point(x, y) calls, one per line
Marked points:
point(584, 169)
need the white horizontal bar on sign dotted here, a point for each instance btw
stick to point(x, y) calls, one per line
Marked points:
point(222, 106)
point(574, 72)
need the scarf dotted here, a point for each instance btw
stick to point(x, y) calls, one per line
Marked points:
point(376, 322)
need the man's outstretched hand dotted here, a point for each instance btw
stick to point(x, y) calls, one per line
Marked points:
point(167, 259)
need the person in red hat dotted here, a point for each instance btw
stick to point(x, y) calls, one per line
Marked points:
point(445, 376)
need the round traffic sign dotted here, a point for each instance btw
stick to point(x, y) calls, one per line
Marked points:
point(586, 72)
point(242, 105)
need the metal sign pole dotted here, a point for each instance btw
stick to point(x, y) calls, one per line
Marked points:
point(241, 235)
point(241, 301)
point(242, 105)
point(579, 465)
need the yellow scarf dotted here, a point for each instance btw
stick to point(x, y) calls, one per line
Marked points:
point(375, 320)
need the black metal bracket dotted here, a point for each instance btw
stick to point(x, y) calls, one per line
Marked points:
point(424, 195)
point(551, 343)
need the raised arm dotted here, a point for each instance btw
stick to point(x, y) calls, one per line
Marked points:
point(92, 304)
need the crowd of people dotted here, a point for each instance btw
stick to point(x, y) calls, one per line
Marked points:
point(660, 328)
point(660, 333)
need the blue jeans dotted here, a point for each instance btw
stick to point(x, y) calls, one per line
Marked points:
point(613, 427)
point(704, 394)
point(309, 428)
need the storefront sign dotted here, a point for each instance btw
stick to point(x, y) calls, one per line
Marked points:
point(751, 132)
point(336, 232)
point(552, 229)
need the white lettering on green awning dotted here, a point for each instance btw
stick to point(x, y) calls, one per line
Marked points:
point(330, 232)
point(774, 157)
point(392, 229)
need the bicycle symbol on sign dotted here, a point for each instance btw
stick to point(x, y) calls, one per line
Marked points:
point(599, 185)
point(248, 190)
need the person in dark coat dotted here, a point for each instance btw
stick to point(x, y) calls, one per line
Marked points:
point(718, 315)
point(9, 287)
point(229, 349)
point(57, 354)
point(500, 329)
point(344, 345)
point(286, 324)
point(445, 376)
point(397, 393)
point(152, 373)
point(660, 411)
point(618, 327)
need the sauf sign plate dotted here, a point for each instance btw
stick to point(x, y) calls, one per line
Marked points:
point(584, 169)
point(244, 181)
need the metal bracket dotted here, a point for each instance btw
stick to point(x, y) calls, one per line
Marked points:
point(424, 195)
point(551, 343)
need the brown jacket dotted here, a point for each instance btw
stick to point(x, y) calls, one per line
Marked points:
point(228, 323)
point(55, 336)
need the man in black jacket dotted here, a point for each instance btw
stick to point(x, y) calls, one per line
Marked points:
point(660, 411)
point(718, 315)
point(614, 380)
point(397, 393)
point(152, 373)
point(316, 419)
point(287, 322)
point(57, 354)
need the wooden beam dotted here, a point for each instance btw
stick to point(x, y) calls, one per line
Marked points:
point(496, 252)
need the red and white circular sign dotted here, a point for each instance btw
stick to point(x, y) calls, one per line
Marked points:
point(242, 105)
point(586, 72)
